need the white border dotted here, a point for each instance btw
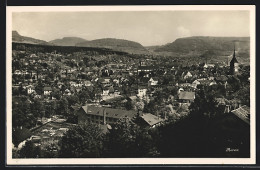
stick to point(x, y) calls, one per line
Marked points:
point(132, 161)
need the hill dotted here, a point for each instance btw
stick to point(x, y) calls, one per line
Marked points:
point(16, 37)
point(67, 41)
point(200, 44)
point(115, 44)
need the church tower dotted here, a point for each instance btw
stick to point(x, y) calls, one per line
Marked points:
point(234, 64)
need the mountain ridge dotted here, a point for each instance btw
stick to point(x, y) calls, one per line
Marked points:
point(16, 37)
point(115, 44)
point(203, 43)
point(67, 41)
point(194, 45)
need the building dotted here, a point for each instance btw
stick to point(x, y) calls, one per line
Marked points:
point(186, 96)
point(103, 115)
point(105, 91)
point(146, 69)
point(234, 64)
point(30, 89)
point(243, 113)
point(153, 81)
point(141, 91)
point(187, 75)
point(150, 120)
point(47, 90)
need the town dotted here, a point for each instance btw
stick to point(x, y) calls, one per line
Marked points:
point(91, 102)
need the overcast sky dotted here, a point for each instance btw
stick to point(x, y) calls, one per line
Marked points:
point(147, 28)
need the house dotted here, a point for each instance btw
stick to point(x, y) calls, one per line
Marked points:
point(195, 83)
point(186, 97)
point(105, 91)
point(59, 84)
point(72, 83)
point(47, 90)
point(87, 83)
point(141, 91)
point(18, 72)
point(151, 120)
point(103, 115)
point(30, 89)
point(243, 113)
point(153, 81)
point(187, 75)
point(116, 81)
point(67, 92)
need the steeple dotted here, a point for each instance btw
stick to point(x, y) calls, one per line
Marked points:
point(234, 56)
point(234, 63)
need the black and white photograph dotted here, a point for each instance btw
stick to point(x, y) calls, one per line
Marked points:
point(131, 85)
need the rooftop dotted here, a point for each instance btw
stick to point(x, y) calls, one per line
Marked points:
point(185, 95)
point(151, 119)
point(47, 88)
point(243, 113)
point(112, 113)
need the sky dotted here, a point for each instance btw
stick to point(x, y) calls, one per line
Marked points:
point(145, 27)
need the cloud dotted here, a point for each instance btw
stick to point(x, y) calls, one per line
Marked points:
point(183, 32)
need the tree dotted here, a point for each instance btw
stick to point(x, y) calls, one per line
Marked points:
point(29, 150)
point(72, 100)
point(129, 104)
point(21, 114)
point(127, 139)
point(39, 87)
point(204, 104)
point(37, 108)
point(82, 141)
point(64, 107)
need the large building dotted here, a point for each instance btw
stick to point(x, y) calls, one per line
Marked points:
point(102, 115)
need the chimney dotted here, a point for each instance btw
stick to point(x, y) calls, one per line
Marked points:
point(104, 116)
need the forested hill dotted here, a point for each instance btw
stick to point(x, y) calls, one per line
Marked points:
point(67, 41)
point(115, 44)
point(200, 43)
point(35, 48)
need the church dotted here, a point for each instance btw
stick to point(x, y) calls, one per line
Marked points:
point(234, 64)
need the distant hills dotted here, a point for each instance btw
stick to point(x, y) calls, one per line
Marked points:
point(67, 41)
point(203, 46)
point(199, 43)
point(16, 37)
point(115, 44)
